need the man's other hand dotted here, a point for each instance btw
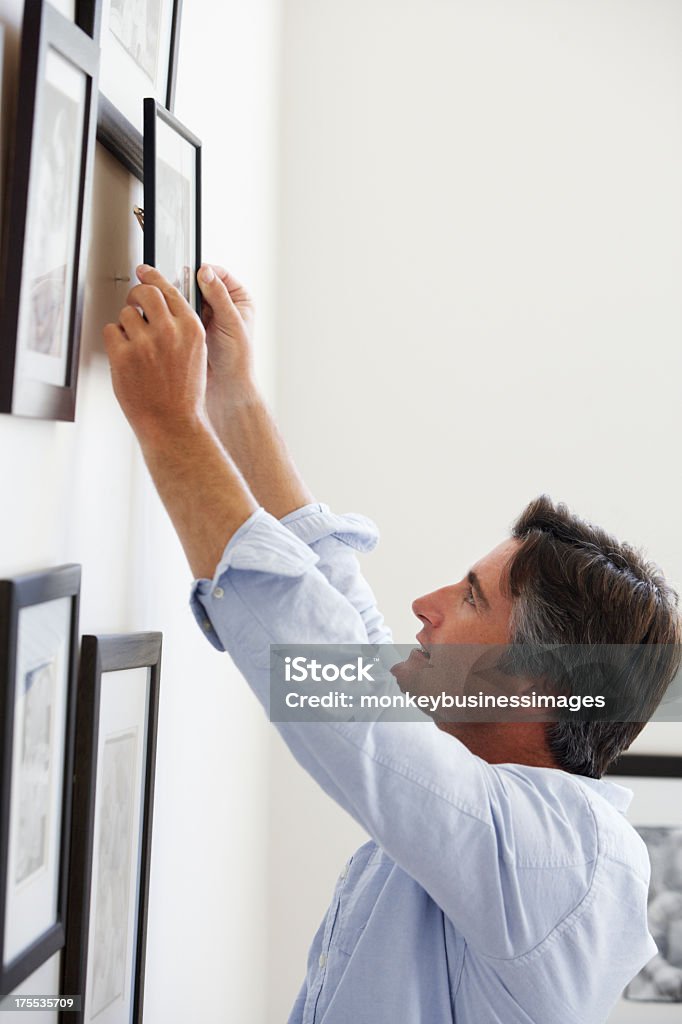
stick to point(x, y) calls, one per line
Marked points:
point(228, 314)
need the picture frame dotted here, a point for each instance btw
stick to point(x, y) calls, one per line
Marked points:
point(656, 813)
point(39, 651)
point(172, 200)
point(2, 123)
point(113, 799)
point(126, 70)
point(50, 184)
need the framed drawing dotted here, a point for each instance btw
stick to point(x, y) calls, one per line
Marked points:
point(656, 812)
point(172, 200)
point(116, 722)
point(139, 42)
point(39, 626)
point(49, 200)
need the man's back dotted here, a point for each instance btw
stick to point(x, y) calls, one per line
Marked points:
point(387, 952)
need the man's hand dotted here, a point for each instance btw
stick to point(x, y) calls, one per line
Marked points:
point(158, 362)
point(228, 314)
point(158, 368)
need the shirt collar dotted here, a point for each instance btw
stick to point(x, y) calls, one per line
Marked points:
point(616, 795)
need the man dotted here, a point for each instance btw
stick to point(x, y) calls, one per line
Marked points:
point(502, 883)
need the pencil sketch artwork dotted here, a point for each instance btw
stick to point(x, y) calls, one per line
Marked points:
point(137, 25)
point(173, 233)
point(35, 763)
point(109, 942)
point(52, 229)
point(661, 979)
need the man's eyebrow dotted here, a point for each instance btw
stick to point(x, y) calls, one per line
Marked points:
point(478, 590)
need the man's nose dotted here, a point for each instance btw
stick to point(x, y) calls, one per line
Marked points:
point(427, 609)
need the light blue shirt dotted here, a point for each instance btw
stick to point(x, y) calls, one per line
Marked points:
point(489, 894)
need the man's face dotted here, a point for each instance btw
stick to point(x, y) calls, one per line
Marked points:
point(472, 612)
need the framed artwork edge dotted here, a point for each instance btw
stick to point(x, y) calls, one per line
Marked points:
point(153, 110)
point(102, 653)
point(647, 767)
point(120, 137)
point(44, 27)
point(16, 593)
point(114, 131)
point(662, 766)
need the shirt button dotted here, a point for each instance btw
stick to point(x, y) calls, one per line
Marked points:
point(207, 625)
point(323, 959)
point(218, 592)
point(344, 873)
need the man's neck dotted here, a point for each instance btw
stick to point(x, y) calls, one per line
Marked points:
point(500, 743)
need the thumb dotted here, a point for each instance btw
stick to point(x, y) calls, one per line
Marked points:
point(225, 313)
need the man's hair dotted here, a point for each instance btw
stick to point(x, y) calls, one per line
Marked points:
point(572, 583)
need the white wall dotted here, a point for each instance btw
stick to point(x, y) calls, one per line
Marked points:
point(480, 258)
point(79, 492)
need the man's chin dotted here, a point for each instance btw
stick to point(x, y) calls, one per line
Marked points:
point(411, 674)
point(403, 673)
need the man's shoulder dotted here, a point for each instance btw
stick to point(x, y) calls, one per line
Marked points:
point(562, 818)
point(619, 841)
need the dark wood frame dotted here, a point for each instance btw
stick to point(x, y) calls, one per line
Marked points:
point(651, 766)
point(15, 594)
point(45, 28)
point(152, 111)
point(114, 130)
point(99, 655)
point(662, 766)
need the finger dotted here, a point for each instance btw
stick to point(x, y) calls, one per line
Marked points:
point(175, 300)
point(217, 295)
point(238, 292)
point(114, 340)
point(132, 323)
point(149, 299)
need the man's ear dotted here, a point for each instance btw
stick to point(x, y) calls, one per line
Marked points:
point(538, 684)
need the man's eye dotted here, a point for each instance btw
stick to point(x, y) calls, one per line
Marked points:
point(469, 596)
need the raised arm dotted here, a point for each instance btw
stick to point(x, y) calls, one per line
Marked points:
point(158, 369)
point(248, 432)
point(236, 409)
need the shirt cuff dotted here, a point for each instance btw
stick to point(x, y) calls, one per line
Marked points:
point(261, 544)
point(313, 522)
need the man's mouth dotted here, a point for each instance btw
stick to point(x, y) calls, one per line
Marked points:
point(422, 651)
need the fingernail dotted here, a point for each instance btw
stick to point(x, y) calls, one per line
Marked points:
point(207, 274)
point(143, 268)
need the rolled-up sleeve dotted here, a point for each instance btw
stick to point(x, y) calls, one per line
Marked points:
point(416, 790)
point(335, 539)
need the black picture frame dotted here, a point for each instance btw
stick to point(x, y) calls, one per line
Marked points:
point(16, 594)
point(100, 655)
point(114, 130)
point(154, 112)
point(45, 29)
point(659, 766)
point(656, 813)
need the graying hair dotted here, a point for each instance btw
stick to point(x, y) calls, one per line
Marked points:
point(573, 584)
